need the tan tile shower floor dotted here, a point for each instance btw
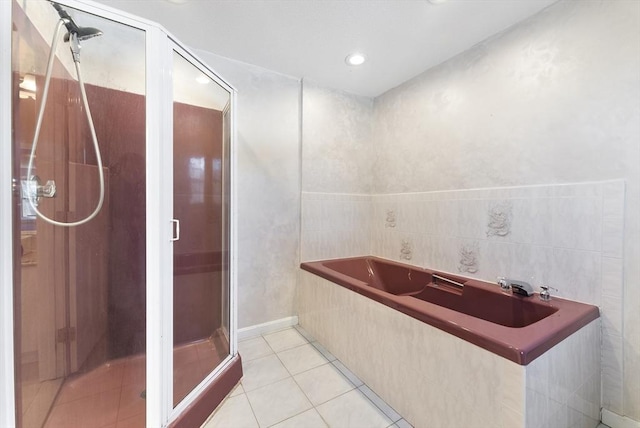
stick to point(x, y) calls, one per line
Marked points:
point(111, 396)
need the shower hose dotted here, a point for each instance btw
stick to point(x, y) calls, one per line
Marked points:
point(33, 198)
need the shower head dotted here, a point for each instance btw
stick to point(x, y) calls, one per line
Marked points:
point(82, 33)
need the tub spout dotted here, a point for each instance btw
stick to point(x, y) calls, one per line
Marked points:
point(520, 287)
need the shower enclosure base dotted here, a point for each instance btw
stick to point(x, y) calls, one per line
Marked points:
point(114, 393)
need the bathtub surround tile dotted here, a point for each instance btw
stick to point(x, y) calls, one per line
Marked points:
point(566, 236)
point(262, 371)
point(301, 358)
point(323, 383)
point(612, 278)
point(353, 410)
point(499, 218)
point(612, 236)
point(278, 401)
point(493, 389)
point(285, 339)
point(612, 380)
point(233, 412)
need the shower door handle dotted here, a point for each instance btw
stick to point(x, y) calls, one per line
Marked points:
point(176, 228)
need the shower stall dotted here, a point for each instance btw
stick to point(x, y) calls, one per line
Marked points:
point(117, 266)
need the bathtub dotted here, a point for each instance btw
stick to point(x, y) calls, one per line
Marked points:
point(449, 351)
point(514, 327)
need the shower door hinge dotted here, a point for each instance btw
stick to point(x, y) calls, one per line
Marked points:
point(66, 334)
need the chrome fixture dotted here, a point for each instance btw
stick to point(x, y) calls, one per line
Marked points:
point(518, 287)
point(545, 294)
point(502, 282)
point(446, 280)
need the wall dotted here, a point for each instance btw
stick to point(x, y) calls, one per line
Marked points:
point(458, 384)
point(553, 100)
point(338, 155)
point(268, 183)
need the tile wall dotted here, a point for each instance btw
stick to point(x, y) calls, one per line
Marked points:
point(566, 236)
point(435, 379)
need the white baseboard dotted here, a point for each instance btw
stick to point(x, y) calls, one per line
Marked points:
point(614, 420)
point(267, 327)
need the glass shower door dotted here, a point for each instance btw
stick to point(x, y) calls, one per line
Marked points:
point(80, 307)
point(201, 211)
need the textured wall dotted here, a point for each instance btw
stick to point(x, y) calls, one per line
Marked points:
point(268, 183)
point(337, 148)
point(551, 100)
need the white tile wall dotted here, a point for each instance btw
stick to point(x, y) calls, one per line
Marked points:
point(566, 236)
point(435, 379)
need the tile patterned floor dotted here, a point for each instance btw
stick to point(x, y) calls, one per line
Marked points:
point(291, 381)
point(111, 396)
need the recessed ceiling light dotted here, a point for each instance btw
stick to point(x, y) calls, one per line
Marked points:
point(356, 58)
point(437, 1)
point(177, 1)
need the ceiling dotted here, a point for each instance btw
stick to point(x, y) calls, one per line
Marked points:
point(311, 38)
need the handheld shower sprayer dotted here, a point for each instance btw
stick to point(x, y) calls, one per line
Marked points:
point(74, 35)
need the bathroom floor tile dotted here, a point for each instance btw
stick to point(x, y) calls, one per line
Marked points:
point(302, 358)
point(237, 390)
point(96, 410)
point(284, 339)
point(262, 371)
point(309, 419)
point(304, 333)
point(276, 402)
point(104, 378)
point(251, 349)
point(234, 412)
point(323, 383)
point(353, 410)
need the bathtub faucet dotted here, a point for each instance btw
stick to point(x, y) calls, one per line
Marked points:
point(519, 287)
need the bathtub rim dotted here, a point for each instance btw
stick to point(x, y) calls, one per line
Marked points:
point(521, 345)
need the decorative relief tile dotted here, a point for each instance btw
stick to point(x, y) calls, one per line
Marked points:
point(406, 250)
point(469, 258)
point(500, 215)
point(390, 219)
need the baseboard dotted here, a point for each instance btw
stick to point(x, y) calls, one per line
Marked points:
point(614, 420)
point(267, 327)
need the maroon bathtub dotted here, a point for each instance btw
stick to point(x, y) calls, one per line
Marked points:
point(514, 327)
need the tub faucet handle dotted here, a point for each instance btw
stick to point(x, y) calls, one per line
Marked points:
point(503, 283)
point(545, 294)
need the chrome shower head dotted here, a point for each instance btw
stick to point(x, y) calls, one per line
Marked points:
point(82, 33)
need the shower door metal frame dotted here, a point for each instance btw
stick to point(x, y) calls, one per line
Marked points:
point(175, 47)
point(7, 378)
point(159, 209)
